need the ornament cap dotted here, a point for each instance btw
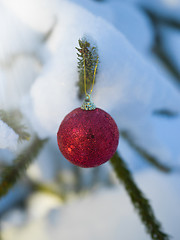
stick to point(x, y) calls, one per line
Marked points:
point(88, 104)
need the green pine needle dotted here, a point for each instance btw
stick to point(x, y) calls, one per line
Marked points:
point(11, 174)
point(13, 120)
point(146, 156)
point(138, 199)
point(89, 53)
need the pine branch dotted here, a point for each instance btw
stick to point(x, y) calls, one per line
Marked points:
point(0, 232)
point(166, 61)
point(13, 120)
point(95, 176)
point(157, 49)
point(48, 188)
point(146, 156)
point(165, 113)
point(49, 33)
point(163, 20)
point(11, 174)
point(78, 183)
point(140, 203)
point(87, 52)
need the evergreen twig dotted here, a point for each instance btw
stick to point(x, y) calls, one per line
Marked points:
point(0, 232)
point(48, 189)
point(159, 21)
point(88, 52)
point(146, 156)
point(49, 33)
point(166, 60)
point(11, 174)
point(163, 20)
point(165, 113)
point(138, 199)
point(78, 183)
point(13, 120)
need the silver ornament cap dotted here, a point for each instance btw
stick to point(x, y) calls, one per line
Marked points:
point(88, 104)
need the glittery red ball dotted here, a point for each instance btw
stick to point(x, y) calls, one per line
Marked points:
point(88, 138)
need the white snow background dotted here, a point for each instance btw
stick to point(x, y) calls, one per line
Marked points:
point(38, 75)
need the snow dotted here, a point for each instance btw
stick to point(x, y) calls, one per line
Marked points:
point(133, 23)
point(47, 163)
point(18, 61)
point(18, 39)
point(38, 75)
point(127, 18)
point(8, 138)
point(37, 15)
point(2, 93)
point(106, 214)
point(17, 80)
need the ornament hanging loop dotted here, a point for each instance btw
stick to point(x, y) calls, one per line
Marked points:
point(94, 75)
point(88, 104)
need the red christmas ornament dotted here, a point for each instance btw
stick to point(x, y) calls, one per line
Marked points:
point(88, 136)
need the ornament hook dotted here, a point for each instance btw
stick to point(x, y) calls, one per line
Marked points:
point(88, 104)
